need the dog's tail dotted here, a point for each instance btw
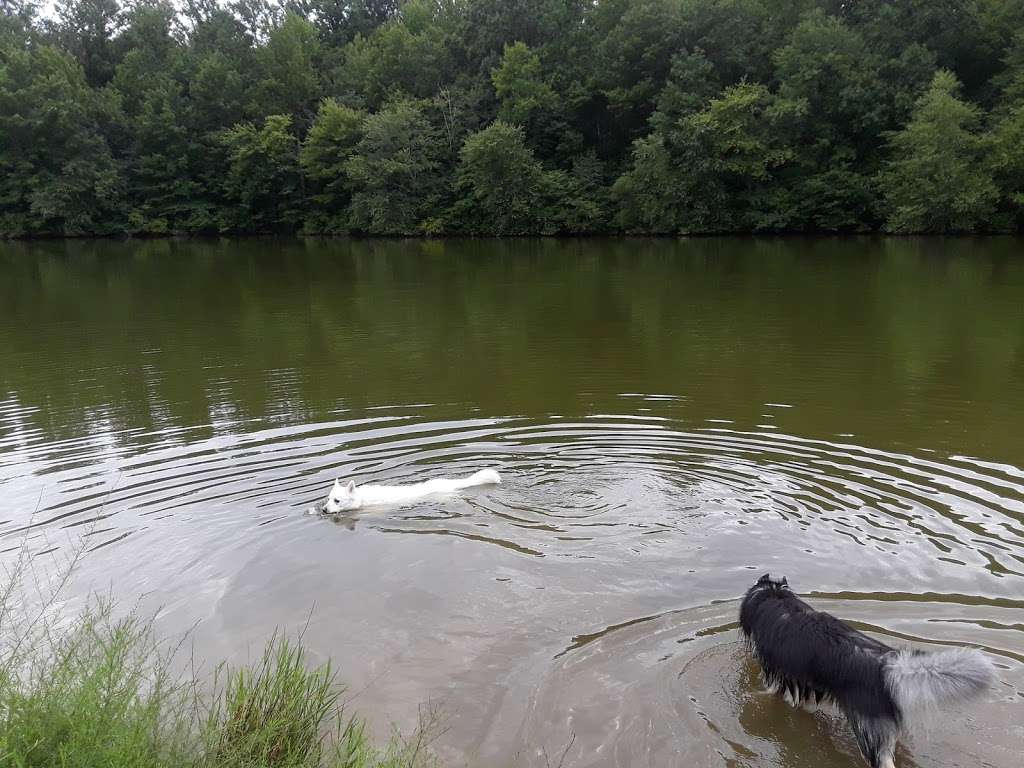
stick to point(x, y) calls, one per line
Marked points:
point(923, 681)
point(483, 477)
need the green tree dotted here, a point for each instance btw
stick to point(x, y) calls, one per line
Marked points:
point(1007, 165)
point(1006, 158)
point(520, 85)
point(339, 21)
point(214, 29)
point(263, 181)
point(259, 18)
point(485, 27)
point(325, 153)
point(951, 29)
point(158, 151)
point(652, 197)
point(739, 36)
point(164, 197)
point(216, 94)
point(21, 11)
point(527, 99)
point(936, 179)
point(1010, 82)
point(395, 171)
point(715, 169)
point(152, 26)
point(57, 174)
point(86, 29)
point(501, 182)
point(290, 83)
point(691, 84)
point(636, 43)
point(407, 57)
point(827, 67)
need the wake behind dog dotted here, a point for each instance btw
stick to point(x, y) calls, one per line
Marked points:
point(347, 497)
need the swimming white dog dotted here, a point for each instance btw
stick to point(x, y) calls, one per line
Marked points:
point(345, 497)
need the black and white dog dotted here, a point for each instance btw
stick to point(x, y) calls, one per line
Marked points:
point(813, 658)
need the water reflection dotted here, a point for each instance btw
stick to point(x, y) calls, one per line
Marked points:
point(888, 339)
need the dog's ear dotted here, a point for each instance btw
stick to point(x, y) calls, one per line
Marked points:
point(765, 579)
point(351, 486)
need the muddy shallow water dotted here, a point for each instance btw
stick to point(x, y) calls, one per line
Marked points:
point(671, 420)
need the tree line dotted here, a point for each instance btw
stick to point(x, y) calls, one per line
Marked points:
point(511, 117)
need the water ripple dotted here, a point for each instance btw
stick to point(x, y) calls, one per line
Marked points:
point(654, 521)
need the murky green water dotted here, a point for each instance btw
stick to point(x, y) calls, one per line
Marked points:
point(671, 418)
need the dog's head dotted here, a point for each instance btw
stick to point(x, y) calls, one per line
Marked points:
point(767, 582)
point(342, 498)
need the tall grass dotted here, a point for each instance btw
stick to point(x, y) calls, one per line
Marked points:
point(99, 695)
point(98, 690)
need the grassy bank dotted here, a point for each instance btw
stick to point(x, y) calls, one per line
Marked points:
point(99, 689)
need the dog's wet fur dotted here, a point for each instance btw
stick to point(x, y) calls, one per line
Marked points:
point(812, 658)
point(348, 497)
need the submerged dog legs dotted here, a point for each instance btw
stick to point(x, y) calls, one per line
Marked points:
point(876, 738)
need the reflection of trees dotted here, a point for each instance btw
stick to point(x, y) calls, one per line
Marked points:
point(885, 338)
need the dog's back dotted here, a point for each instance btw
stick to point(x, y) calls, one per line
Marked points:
point(812, 657)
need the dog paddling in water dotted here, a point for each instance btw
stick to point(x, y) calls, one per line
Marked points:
point(347, 497)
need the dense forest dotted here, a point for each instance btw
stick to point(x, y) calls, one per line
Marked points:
point(509, 117)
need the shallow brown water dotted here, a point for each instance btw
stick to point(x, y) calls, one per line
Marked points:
point(672, 419)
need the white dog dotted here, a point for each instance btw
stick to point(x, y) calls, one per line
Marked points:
point(346, 497)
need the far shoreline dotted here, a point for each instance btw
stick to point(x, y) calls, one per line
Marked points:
point(461, 237)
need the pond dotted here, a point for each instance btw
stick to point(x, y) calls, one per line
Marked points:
point(672, 418)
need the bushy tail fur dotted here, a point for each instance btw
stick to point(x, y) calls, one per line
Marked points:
point(924, 681)
point(484, 477)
